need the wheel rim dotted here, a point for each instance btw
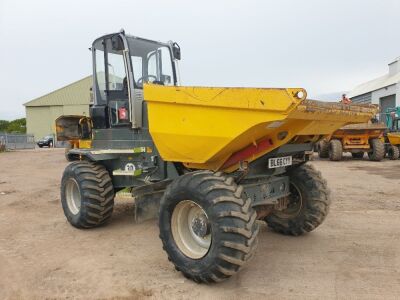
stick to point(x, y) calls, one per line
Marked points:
point(191, 229)
point(295, 203)
point(73, 196)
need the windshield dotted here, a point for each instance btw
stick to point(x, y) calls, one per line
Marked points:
point(151, 62)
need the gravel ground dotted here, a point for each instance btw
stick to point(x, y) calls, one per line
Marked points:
point(354, 254)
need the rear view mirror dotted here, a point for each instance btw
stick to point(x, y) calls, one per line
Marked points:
point(176, 51)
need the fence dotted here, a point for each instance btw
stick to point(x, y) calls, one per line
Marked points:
point(17, 141)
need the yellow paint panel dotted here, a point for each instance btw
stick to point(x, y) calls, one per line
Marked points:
point(85, 144)
point(394, 138)
point(202, 127)
point(197, 125)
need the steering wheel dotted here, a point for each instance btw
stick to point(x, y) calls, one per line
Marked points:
point(139, 82)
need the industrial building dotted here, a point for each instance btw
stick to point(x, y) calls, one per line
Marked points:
point(384, 90)
point(42, 112)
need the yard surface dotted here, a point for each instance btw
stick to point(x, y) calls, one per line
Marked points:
point(354, 254)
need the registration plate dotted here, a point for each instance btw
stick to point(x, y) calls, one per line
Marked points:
point(277, 162)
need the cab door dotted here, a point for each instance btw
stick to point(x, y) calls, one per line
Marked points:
point(112, 103)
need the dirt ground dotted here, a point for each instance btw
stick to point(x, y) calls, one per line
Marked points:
point(354, 254)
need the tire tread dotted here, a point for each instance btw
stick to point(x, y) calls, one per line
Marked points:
point(316, 207)
point(236, 219)
point(97, 193)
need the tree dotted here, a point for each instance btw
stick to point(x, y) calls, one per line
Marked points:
point(15, 126)
point(3, 125)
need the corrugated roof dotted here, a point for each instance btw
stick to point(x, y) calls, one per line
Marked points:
point(75, 93)
point(375, 84)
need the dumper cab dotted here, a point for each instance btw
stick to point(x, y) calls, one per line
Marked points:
point(392, 136)
point(118, 125)
point(122, 65)
point(393, 119)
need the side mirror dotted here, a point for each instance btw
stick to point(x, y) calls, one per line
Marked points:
point(176, 51)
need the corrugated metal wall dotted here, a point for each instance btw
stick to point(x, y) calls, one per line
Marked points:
point(365, 98)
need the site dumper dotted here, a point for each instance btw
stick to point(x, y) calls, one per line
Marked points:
point(392, 135)
point(209, 161)
point(357, 139)
point(392, 143)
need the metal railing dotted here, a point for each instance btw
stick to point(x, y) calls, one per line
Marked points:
point(12, 141)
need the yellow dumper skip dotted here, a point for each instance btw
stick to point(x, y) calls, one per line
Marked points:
point(394, 138)
point(204, 127)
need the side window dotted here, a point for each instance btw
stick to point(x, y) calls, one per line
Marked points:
point(116, 71)
point(167, 73)
point(100, 72)
point(152, 63)
point(159, 65)
point(137, 65)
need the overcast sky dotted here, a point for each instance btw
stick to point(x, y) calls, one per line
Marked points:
point(323, 46)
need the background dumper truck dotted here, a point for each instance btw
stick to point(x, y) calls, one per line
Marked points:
point(357, 139)
point(209, 161)
point(392, 134)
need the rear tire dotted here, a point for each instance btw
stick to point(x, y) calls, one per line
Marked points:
point(308, 203)
point(377, 150)
point(393, 152)
point(87, 194)
point(323, 149)
point(225, 218)
point(358, 155)
point(335, 150)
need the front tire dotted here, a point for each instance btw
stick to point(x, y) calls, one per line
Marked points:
point(308, 203)
point(377, 150)
point(323, 149)
point(87, 194)
point(207, 226)
point(335, 150)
